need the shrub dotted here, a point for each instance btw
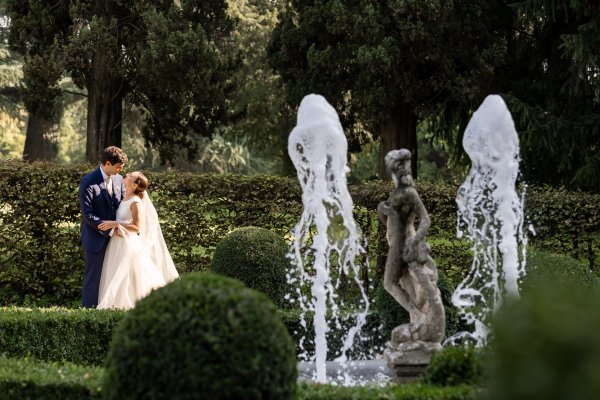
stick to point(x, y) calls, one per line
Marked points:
point(412, 391)
point(57, 334)
point(257, 257)
point(83, 336)
point(202, 335)
point(456, 365)
point(367, 343)
point(543, 266)
point(547, 345)
point(30, 379)
point(42, 260)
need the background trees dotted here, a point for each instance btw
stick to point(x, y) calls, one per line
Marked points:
point(182, 73)
point(166, 57)
point(387, 65)
point(553, 88)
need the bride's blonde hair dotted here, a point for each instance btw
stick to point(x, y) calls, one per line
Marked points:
point(142, 182)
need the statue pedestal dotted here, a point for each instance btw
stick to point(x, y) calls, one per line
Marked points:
point(409, 360)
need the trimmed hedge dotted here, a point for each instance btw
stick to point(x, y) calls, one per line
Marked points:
point(57, 334)
point(42, 262)
point(83, 336)
point(407, 391)
point(26, 379)
point(31, 380)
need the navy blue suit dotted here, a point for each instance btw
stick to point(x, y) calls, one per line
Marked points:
point(96, 206)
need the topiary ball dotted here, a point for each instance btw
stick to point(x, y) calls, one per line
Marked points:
point(546, 345)
point(202, 336)
point(457, 365)
point(257, 257)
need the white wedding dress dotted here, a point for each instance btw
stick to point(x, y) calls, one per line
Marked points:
point(135, 264)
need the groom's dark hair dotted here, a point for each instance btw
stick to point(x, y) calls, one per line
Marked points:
point(114, 155)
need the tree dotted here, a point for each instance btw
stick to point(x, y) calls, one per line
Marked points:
point(258, 113)
point(387, 65)
point(166, 56)
point(42, 130)
point(553, 90)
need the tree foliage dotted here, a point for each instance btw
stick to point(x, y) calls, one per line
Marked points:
point(167, 57)
point(258, 114)
point(552, 82)
point(390, 63)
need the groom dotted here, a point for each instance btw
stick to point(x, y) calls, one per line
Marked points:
point(100, 193)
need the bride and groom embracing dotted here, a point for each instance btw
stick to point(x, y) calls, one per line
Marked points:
point(125, 253)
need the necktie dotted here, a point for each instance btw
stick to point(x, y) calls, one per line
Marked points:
point(109, 187)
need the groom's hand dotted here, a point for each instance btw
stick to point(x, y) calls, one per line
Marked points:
point(106, 225)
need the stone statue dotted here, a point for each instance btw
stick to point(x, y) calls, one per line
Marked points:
point(410, 273)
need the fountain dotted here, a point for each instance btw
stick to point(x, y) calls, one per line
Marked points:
point(327, 242)
point(490, 213)
point(326, 239)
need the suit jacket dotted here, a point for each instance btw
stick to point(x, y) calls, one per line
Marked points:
point(97, 206)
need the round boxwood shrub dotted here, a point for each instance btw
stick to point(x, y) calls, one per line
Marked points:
point(546, 345)
point(202, 336)
point(456, 365)
point(543, 266)
point(257, 257)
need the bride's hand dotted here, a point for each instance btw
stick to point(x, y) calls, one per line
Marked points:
point(106, 225)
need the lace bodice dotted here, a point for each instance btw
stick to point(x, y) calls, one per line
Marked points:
point(124, 210)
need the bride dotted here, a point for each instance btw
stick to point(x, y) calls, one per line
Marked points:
point(137, 260)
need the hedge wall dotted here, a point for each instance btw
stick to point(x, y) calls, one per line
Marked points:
point(27, 379)
point(83, 336)
point(41, 259)
point(57, 334)
point(34, 380)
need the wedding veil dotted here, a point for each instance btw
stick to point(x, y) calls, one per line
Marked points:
point(153, 240)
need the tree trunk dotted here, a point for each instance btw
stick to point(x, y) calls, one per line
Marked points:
point(41, 140)
point(399, 131)
point(105, 108)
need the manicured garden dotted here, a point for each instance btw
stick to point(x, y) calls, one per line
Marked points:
point(52, 349)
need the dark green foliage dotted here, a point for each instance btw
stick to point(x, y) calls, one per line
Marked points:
point(42, 261)
point(390, 312)
point(367, 343)
point(456, 365)
point(29, 380)
point(565, 222)
point(548, 75)
point(26, 379)
point(57, 334)
point(202, 335)
point(83, 336)
point(543, 266)
point(412, 391)
point(553, 90)
point(547, 345)
point(446, 290)
point(168, 58)
point(388, 64)
point(257, 257)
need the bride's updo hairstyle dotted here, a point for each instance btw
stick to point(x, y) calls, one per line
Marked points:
point(142, 182)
